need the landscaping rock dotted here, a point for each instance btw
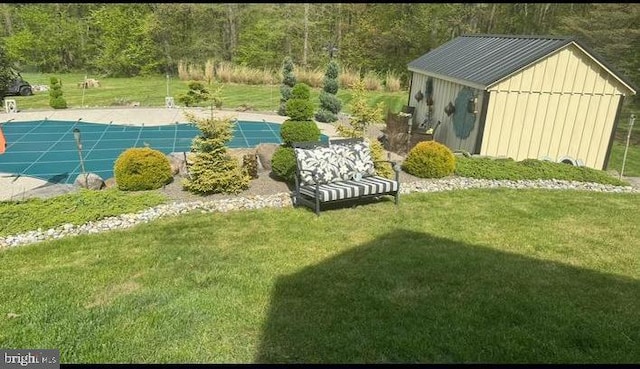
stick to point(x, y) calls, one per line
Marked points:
point(178, 163)
point(265, 153)
point(238, 154)
point(110, 183)
point(92, 181)
point(283, 199)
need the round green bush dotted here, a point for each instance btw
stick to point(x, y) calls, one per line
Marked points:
point(325, 116)
point(430, 159)
point(333, 69)
point(58, 102)
point(299, 109)
point(330, 86)
point(301, 91)
point(330, 102)
point(295, 131)
point(283, 163)
point(142, 168)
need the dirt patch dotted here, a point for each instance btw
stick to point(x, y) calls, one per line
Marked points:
point(110, 293)
point(264, 185)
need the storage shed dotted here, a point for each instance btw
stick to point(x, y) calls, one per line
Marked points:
point(521, 97)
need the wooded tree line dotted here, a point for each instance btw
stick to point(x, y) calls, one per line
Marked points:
point(133, 39)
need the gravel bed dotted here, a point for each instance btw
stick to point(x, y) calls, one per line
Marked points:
point(282, 199)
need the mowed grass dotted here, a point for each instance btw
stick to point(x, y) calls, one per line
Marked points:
point(492, 276)
point(632, 165)
point(75, 208)
point(151, 92)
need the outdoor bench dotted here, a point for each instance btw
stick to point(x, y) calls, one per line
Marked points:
point(340, 170)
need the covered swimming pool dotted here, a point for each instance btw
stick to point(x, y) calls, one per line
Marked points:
point(46, 149)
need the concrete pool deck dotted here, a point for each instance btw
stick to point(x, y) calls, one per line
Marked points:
point(14, 187)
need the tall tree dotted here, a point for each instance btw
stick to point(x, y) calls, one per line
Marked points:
point(47, 38)
point(6, 74)
point(127, 47)
point(611, 30)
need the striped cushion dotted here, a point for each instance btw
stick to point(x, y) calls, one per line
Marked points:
point(351, 189)
point(374, 184)
point(333, 191)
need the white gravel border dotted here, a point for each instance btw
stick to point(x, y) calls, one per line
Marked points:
point(282, 200)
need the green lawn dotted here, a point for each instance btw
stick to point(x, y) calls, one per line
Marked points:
point(492, 276)
point(632, 165)
point(151, 91)
point(75, 208)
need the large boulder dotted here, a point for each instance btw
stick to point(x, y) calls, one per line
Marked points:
point(178, 163)
point(91, 181)
point(265, 153)
point(239, 153)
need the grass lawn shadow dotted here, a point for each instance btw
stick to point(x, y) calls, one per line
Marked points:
point(411, 297)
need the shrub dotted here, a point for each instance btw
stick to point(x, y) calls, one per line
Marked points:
point(330, 102)
point(348, 77)
point(142, 168)
point(285, 92)
point(283, 163)
point(250, 165)
point(331, 86)
point(295, 131)
point(312, 78)
point(301, 91)
point(299, 106)
point(56, 100)
point(299, 109)
point(509, 169)
point(326, 116)
point(224, 72)
point(392, 82)
point(197, 93)
point(372, 81)
point(210, 71)
point(430, 159)
point(377, 154)
point(362, 115)
point(213, 170)
point(288, 81)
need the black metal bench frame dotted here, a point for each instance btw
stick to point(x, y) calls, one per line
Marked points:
point(314, 202)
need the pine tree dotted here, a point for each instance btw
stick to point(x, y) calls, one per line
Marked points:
point(56, 100)
point(330, 105)
point(288, 81)
point(213, 170)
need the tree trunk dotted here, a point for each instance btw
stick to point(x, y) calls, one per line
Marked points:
point(305, 50)
point(231, 24)
point(491, 18)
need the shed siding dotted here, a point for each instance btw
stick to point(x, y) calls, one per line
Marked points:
point(564, 105)
point(443, 93)
point(584, 135)
point(566, 71)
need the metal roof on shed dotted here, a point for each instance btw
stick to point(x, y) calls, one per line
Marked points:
point(485, 59)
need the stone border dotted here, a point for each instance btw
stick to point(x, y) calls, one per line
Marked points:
point(283, 200)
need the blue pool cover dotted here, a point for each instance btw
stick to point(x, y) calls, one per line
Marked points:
point(47, 150)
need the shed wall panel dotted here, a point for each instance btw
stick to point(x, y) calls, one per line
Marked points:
point(443, 93)
point(566, 71)
point(564, 105)
point(535, 132)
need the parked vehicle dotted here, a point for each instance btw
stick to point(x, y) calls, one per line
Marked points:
point(19, 87)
